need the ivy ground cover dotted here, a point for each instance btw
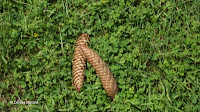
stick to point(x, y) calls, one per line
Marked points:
point(151, 46)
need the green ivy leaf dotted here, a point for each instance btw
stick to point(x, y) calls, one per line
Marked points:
point(34, 61)
point(155, 56)
point(194, 98)
point(23, 84)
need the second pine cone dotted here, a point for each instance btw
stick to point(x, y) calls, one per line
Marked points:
point(106, 77)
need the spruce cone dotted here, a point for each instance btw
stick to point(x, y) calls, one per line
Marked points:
point(79, 61)
point(106, 77)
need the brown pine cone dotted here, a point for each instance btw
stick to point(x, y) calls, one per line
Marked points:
point(106, 77)
point(79, 61)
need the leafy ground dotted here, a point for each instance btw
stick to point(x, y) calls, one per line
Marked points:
point(151, 46)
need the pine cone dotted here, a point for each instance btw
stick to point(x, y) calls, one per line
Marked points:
point(79, 61)
point(106, 77)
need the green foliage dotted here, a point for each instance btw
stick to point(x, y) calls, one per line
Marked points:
point(152, 48)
